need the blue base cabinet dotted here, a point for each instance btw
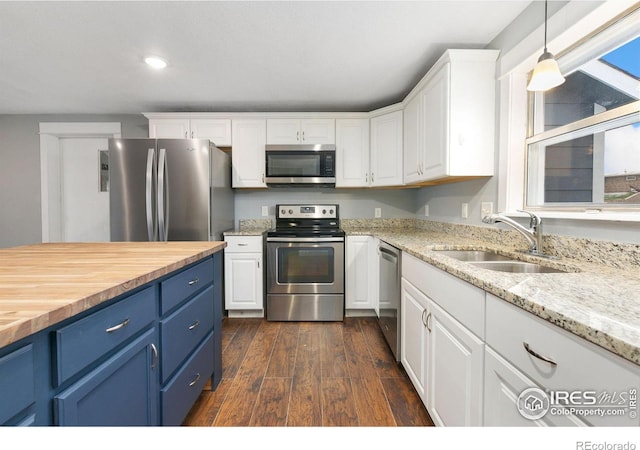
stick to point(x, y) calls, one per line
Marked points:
point(119, 392)
point(139, 359)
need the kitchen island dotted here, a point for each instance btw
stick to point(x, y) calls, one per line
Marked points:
point(108, 333)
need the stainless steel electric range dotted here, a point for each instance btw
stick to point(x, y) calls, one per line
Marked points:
point(305, 264)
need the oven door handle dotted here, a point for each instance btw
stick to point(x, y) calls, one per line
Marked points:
point(305, 239)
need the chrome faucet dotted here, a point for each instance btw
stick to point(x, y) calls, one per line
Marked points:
point(533, 234)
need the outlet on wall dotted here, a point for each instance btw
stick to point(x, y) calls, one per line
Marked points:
point(265, 211)
point(426, 210)
point(486, 208)
point(465, 211)
point(378, 212)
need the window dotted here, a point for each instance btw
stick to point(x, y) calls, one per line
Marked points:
point(583, 148)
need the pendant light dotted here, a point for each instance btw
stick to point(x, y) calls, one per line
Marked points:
point(546, 74)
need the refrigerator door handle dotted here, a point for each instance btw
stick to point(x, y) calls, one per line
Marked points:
point(163, 196)
point(152, 227)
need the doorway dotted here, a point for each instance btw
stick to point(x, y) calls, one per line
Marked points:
point(75, 203)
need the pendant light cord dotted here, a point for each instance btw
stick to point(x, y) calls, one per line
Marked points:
point(545, 26)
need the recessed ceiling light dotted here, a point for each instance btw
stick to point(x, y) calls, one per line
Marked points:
point(155, 62)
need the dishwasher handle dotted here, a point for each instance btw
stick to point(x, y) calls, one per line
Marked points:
point(389, 255)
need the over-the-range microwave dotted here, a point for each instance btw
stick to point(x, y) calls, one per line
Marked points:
point(305, 165)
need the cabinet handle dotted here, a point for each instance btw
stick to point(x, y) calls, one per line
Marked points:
point(372, 177)
point(538, 355)
point(192, 135)
point(263, 178)
point(124, 323)
point(195, 380)
point(428, 321)
point(242, 245)
point(424, 322)
point(303, 135)
point(194, 325)
point(297, 136)
point(194, 281)
point(186, 134)
point(155, 356)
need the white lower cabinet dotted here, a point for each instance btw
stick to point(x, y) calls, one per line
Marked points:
point(503, 384)
point(602, 387)
point(414, 336)
point(454, 371)
point(443, 359)
point(243, 273)
point(361, 283)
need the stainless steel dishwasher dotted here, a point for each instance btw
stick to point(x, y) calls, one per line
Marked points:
point(389, 307)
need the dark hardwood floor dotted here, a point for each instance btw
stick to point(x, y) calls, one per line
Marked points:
point(308, 374)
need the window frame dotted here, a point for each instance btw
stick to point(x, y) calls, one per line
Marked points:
point(611, 20)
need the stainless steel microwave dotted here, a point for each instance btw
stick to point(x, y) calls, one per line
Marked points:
point(307, 165)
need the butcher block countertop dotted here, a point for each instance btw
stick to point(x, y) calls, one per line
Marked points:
point(44, 284)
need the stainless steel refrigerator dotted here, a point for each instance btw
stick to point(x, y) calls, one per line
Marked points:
point(169, 190)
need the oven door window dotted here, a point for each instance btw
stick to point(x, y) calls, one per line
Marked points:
point(304, 265)
point(293, 165)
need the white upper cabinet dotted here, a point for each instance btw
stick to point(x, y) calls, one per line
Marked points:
point(301, 131)
point(450, 119)
point(352, 152)
point(386, 150)
point(247, 156)
point(217, 131)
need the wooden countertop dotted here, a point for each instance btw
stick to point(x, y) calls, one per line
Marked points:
point(43, 284)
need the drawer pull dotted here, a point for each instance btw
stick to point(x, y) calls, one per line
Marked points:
point(194, 325)
point(124, 323)
point(195, 380)
point(194, 281)
point(155, 356)
point(539, 356)
point(242, 245)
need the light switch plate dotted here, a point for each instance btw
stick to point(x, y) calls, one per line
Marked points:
point(378, 212)
point(426, 210)
point(465, 211)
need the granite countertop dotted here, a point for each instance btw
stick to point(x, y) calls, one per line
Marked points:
point(597, 302)
point(250, 227)
point(44, 284)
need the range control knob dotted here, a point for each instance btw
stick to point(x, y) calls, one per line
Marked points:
point(324, 211)
point(282, 212)
point(291, 211)
point(331, 211)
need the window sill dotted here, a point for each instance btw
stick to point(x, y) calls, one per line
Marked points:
point(610, 216)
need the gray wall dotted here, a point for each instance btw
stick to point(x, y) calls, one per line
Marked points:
point(20, 221)
point(354, 203)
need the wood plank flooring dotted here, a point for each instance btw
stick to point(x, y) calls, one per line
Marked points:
point(308, 374)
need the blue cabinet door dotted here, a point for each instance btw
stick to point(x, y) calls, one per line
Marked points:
point(120, 392)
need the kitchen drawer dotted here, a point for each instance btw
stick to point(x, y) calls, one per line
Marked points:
point(180, 286)
point(465, 302)
point(182, 391)
point(17, 388)
point(79, 344)
point(580, 365)
point(243, 244)
point(184, 329)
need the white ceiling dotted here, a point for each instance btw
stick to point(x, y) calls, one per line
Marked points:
point(87, 57)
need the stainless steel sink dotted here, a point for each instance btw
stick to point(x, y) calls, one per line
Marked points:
point(474, 255)
point(515, 267)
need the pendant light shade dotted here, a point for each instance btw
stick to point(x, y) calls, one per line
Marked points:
point(546, 74)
